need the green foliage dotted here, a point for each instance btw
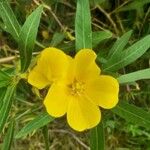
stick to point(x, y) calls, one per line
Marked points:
point(27, 37)
point(46, 137)
point(132, 114)
point(119, 45)
point(4, 79)
point(8, 137)
point(2, 94)
point(40, 121)
point(9, 19)
point(128, 56)
point(83, 31)
point(134, 76)
point(6, 107)
point(97, 138)
point(99, 36)
point(57, 38)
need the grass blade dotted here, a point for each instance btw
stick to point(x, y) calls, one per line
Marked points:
point(83, 31)
point(129, 55)
point(7, 102)
point(27, 37)
point(4, 79)
point(8, 137)
point(40, 121)
point(2, 94)
point(134, 76)
point(97, 138)
point(132, 114)
point(57, 39)
point(99, 36)
point(119, 45)
point(46, 137)
point(9, 19)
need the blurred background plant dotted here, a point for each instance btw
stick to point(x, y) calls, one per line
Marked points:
point(57, 29)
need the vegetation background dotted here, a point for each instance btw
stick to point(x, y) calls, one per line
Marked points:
point(57, 28)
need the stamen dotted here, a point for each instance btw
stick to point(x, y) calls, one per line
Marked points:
point(76, 88)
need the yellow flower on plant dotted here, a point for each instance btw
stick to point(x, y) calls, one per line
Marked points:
point(77, 87)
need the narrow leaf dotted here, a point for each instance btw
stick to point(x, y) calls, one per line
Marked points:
point(57, 38)
point(2, 94)
point(132, 114)
point(119, 45)
point(9, 19)
point(27, 37)
point(134, 76)
point(97, 138)
point(8, 137)
point(99, 36)
point(7, 102)
point(83, 31)
point(4, 79)
point(129, 55)
point(46, 137)
point(40, 121)
point(11, 24)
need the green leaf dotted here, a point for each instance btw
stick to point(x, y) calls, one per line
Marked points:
point(132, 114)
point(57, 38)
point(83, 31)
point(2, 94)
point(11, 24)
point(134, 76)
point(129, 55)
point(99, 36)
point(46, 137)
point(8, 137)
point(40, 121)
point(4, 79)
point(7, 103)
point(119, 45)
point(27, 37)
point(97, 138)
point(9, 19)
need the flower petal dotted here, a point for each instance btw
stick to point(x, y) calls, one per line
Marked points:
point(56, 101)
point(71, 71)
point(104, 91)
point(53, 63)
point(37, 79)
point(82, 114)
point(86, 67)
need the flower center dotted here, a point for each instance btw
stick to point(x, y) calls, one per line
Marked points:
point(77, 88)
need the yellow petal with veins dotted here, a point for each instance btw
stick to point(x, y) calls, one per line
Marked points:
point(103, 91)
point(37, 78)
point(85, 65)
point(56, 101)
point(53, 63)
point(82, 114)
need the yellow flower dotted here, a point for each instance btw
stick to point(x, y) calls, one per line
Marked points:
point(77, 88)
